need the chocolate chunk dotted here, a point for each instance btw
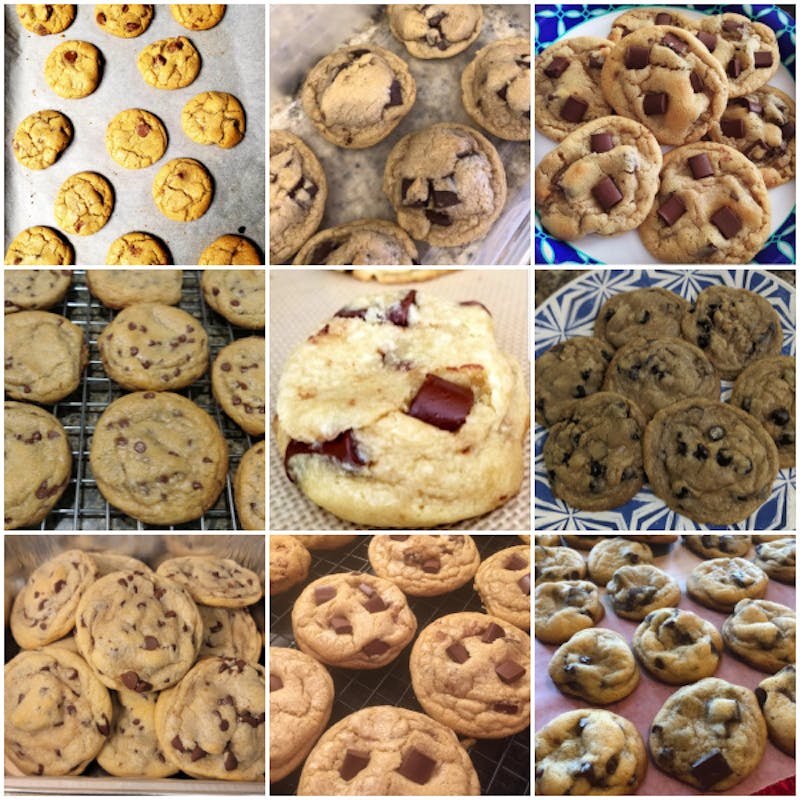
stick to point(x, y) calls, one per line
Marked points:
point(573, 109)
point(438, 218)
point(198, 753)
point(275, 683)
point(700, 166)
point(675, 44)
point(697, 83)
point(324, 593)
point(732, 127)
point(132, 681)
point(354, 762)
point(150, 643)
point(431, 565)
point(399, 537)
point(663, 18)
point(672, 210)
point(732, 26)
point(555, 69)
point(762, 59)
point(711, 768)
point(509, 671)
point(420, 202)
point(726, 222)
point(701, 452)
point(178, 744)
point(516, 562)
point(457, 652)
point(341, 624)
point(505, 708)
point(231, 762)
point(724, 459)
point(761, 696)
point(602, 142)
point(441, 403)
point(734, 67)
point(494, 631)
point(445, 199)
point(709, 40)
point(524, 584)
point(395, 94)
point(376, 647)
point(637, 57)
point(606, 194)
point(343, 448)
point(103, 727)
point(750, 104)
point(417, 767)
point(375, 604)
point(397, 313)
point(655, 103)
point(780, 416)
point(322, 251)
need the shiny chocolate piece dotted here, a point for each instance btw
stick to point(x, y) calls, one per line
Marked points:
point(602, 142)
point(672, 210)
point(343, 448)
point(395, 94)
point(417, 767)
point(397, 313)
point(732, 26)
point(732, 127)
point(524, 584)
point(324, 593)
point(431, 565)
point(726, 222)
point(711, 768)
point(376, 647)
point(556, 68)
point(354, 762)
point(637, 57)
point(445, 199)
point(709, 40)
point(375, 604)
point(509, 671)
point(494, 631)
point(751, 105)
point(399, 537)
point(606, 194)
point(762, 59)
point(663, 18)
point(573, 109)
point(275, 683)
point(700, 165)
point(697, 83)
point(675, 44)
point(734, 67)
point(341, 625)
point(438, 218)
point(458, 653)
point(655, 103)
point(441, 403)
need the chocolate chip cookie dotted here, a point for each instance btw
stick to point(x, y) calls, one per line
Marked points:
point(119, 288)
point(446, 183)
point(238, 380)
point(647, 313)
point(594, 455)
point(41, 138)
point(503, 582)
point(608, 555)
point(776, 696)
point(39, 245)
point(601, 179)
point(229, 250)
point(183, 189)
point(471, 672)
point(197, 17)
point(213, 581)
point(236, 294)
point(710, 734)
point(762, 634)
point(135, 138)
point(720, 583)
point(288, 563)
point(709, 461)
point(637, 18)
point(126, 21)
point(169, 63)
point(554, 563)
point(436, 30)
point(44, 20)
point(214, 118)
point(229, 632)
point(34, 289)
point(717, 545)
point(84, 203)
point(777, 558)
point(73, 69)
point(568, 85)
point(249, 489)
point(766, 390)
point(563, 608)
point(665, 78)
point(636, 590)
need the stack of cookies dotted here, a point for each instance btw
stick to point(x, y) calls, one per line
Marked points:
point(698, 85)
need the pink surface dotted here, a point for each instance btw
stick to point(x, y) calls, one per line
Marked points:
point(641, 706)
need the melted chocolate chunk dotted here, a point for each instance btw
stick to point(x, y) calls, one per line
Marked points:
point(494, 631)
point(573, 109)
point(417, 767)
point(354, 762)
point(637, 57)
point(397, 313)
point(324, 593)
point(556, 67)
point(441, 403)
point(343, 448)
point(711, 768)
point(275, 683)
point(341, 625)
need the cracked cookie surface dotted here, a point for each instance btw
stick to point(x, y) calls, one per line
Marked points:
point(44, 20)
point(197, 16)
point(84, 203)
point(41, 138)
point(229, 250)
point(435, 30)
point(169, 63)
point(126, 21)
point(40, 246)
point(135, 138)
point(73, 69)
point(214, 118)
point(182, 189)
point(137, 249)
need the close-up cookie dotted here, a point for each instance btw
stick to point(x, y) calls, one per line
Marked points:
point(503, 582)
point(118, 288)
point(647, 313)
point(249, 491)
point(236, 294)
point(563, 608)
point(600, 179)
point(213, 581)
point(288, 563)
point(39, 246)
point(711, 207)
point(238, 380)
point(429, 426)
point(41, 138)
point(665, 78)
point(158, 457)
point(762, 634)
point(214, 118)
point(84, 203)
point(135, 138)
point(45, 355)
point(608, 555)
point(496, 88)
point(555, 563)
point(777, 558)
point(34, 289)
point(386, 750)
point(137, 249)
point(720, 583)
point(183, 189)
point(229, 250)
point(353, 620)
point(169, 63)
point(636, 18)
point(776, 696)
point(471, 672)
point(435, 31)
point(73, 69)
point(126, 21)
point(357, 96)
point(709, 461)
point(636, 590)
point(446, 183)
point(44, 20)
point(710, 734)
point(197, 17)
point(424, 565)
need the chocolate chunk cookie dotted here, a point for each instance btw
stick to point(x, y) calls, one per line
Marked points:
point(636, 590)
point(778, 558)
point(563, 608)
point(197, 17)
point(721, 583)
point(213, 581)
point(608, 555)
point(594, 455)
point(762, 634)
point(73, 69)
point(126, 21)
point(44, 20)
point(236, 294)
point(710, 735)
point(709, 461)
point(766, 389)
point(568, 85)
point(717, 545)
point(665, 78)
point(648, 313)
point(39, 245)
point(436, 30)
point(169, 63)
point(504, 583)
point(238, 380)
point(637, 18)
point(41, 138)
point(288, 563)
point(601, 179)
point(34, 289)
point(776, 696)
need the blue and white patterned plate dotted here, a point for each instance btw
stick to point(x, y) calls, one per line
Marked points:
point(571, 311)
point(555, 21)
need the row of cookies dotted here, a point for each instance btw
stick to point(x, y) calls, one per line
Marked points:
point(150, 672)
point(648, 385)
point(157, 348)
point(362, 621)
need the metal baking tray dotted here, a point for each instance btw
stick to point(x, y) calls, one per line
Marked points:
point(82, 507)
point(24, 552)
point(503, 765)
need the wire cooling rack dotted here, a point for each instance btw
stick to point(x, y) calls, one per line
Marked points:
point(503, 765)
point(82, 506)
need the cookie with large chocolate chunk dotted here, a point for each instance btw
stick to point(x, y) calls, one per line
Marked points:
point(435, 31)
point(762, 634)
point(637, 589)
point(777, 697)
point(637, 18)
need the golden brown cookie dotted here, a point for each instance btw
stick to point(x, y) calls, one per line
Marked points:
point(73, 69)
point(84, 203)
point(169, 63)
point(136, 138)
point(40, 139)
point(182, 189)
point(214, 118)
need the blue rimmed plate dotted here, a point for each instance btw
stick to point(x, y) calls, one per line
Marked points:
point(571, 311)
point(552, 22)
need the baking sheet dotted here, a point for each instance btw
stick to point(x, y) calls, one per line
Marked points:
point(232, 56)
point(300, 35)
point(641, 706)
point(301, 301)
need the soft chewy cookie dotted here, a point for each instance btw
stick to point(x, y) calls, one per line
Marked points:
point(384, 750)
point(665, 78)
point(158, 457)
point(72, 69)
point(766, 390)
point(135, 138)
point(288, 563)
point(229, 250)
point(717, 545)
point(138, 631)
point(601, 179)
point(594, 455)
point(504, 583)
point(229, 632)
point(655, 373)
point(197, 16)
point(249, 489)
point(41, 246)
point(777, 558)
point(214, 118)
point(211, 725)
point(300, 702)
point(118, 288)
point(471, 672)
point(720, 583)
point(648, 313)
point(364, 241)
point(608, 555)
point(236, 294)
point(213, 581)
point(762, 634)
point(40, 139)
point(435, 31)
point(709, 461)
point(424, 565)
point(568, 85)
point(34, 289)
point(636, 590)
point(84, 203)
point(353, 620)
point(446, 183)
point(733, 326)
point(677, 646)
point(496, 88)
point(153, 346)
point(710, 734)
point(138, 249)
point(169, 63)
point(45, 355)
point(57, 714)
point(357, 95)
point(565, 607)
point(427, 429)
point(238, 380)
point(776, 696)
point(711, 207)
point(554, 563)
point(45, 19)
point(607, 749)
point(645, 17)
point(126, 21)
point(182, 189)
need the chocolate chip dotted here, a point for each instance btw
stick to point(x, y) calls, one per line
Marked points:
point(701, 452)
point(761, 696)
point(524, 584)
point(442, 403)
point(509, 671)
point(663, 18)
point(417, 767)
point(516, 562)
point(343, 448)
point(198, 753)
point(60, 584)
point(724, 459)
point(675, 44)
point(397, 313)
point(420, 202)
point(573, 109)
point(606, 193)
point(150, 643)
point(762, 59)
point(602, 142)
point(700, 166)
point(655, 103)
point(230, 762)
point(494, 631)
point(399, 537)
point(732, 26)
point(140, 447)
point(341, 625)
point(711, 768)
point(780, 416)
point(103, 727)
point(708, 39)
point(672, 210)
point(143, 129)
point(395, 94)
point(556, 67)
point(734, 67)
point(697, 83)
point(726, 222)
point(275, 683)
point(457, 652)
point(732, 127)
point(438, 218)
point(376, 647)
point(354, 761)
point(324, 593)
point(445, 199)
point(70, 56)
point(637, 57)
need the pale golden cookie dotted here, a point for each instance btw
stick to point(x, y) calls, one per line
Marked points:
point(238, 380)
point(34, 289)
point(197, 17)
point(40, 139)
point(84, 203)
point(45, 19)
point(182, 189)
point(214, 118)
point(118, 288)
point(126, 21)
point(249, 489)
point(229, 249)
point(213, 581)
point(137, 249)
point(169, 63)
point(136, 138)
point(40, 246)
point(73, 69)
point(236, 294)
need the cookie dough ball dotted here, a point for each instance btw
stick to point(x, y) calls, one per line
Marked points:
point(214, 118)
point(435, 31)
point(84, 203)
point(182, 189)
point(39, 246)
point(72, 69)
point(136, 138)
point(41, 138)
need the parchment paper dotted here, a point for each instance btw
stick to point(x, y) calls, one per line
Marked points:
point(646, 700)
point(300, 35)
point(232, 56)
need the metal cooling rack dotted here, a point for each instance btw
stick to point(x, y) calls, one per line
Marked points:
point(503, 765)
point(82, 506)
